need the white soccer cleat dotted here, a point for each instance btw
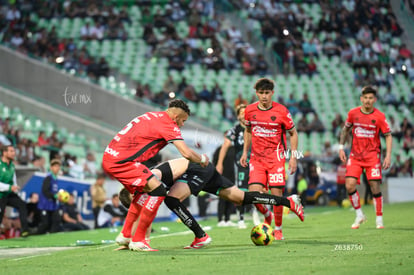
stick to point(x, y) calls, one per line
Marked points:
point(358, 221)
point(380, 223)
point(241, 225)
point(221, 224)
point(121, 240)
point(140, 246)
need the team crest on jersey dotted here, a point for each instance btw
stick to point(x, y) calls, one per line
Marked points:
point(273, 118)
point(254, 116)
point(373, 121)
point(145, 171)
point(176, 129)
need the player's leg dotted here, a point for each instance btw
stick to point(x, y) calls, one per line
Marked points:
point(374, 178)
point(242, 180)
point(276, 179)
point(257, 181)
point(353, 172)
point(237, 196)
point(278, 212)
point(131, 220)
point(351, 183)
point(157, 193)
point(179, 192)
point(15, 201)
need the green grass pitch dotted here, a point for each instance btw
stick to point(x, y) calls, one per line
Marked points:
point(323, 244)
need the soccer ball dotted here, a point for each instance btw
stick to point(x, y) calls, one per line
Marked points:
point(63, 196)
point(262, 234)
point(346, 203)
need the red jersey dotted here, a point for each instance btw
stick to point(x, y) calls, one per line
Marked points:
point(143, 138)
point(268, 130)
point(366, 129)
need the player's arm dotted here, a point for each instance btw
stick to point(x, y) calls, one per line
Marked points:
point(342, 139)
point(189, 154)
point(388, 143)
point(222, 154)
point(247, 137)
point(294, 139)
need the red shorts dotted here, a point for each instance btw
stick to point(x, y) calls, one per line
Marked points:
point(133, 175)
point(266, 173)
point(373, 169)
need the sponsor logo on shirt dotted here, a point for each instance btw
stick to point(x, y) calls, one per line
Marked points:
point(263, 132)
point(137, 182)
point(364, 133)
point(111, 151)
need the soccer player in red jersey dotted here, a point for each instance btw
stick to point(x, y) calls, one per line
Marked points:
point(266, 125)
point(138, 141)
point(366, 122)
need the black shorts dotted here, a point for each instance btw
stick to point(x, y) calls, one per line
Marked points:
point(204, 179)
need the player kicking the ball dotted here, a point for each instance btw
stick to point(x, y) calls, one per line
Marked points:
point(196, 179)
point(366, 122)
point(266, 125)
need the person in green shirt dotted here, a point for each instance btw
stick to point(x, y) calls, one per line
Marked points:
point(9, 187)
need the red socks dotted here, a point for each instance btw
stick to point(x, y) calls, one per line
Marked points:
point(278, 211)
point(355, 201)
point(262, 209)
point(148, 213)
point(378, 203)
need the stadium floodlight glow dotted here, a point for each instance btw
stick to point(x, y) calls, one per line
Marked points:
point(392, 70)
point(252, 5)
point(285, 32)
point(60, 59)
point(171, 95)
point(210, 50)
point(404, 67)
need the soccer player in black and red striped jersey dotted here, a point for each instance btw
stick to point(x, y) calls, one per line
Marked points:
point(366, 122)
point(138, 141)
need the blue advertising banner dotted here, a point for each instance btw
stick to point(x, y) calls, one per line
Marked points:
point(78, 187)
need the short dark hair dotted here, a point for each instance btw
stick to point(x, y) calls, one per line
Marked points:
point(369, 90)
point(5, 148)
point(125, 197)
point(178, 103)
point(55, 162)
point(264, 84)
point(240, 107)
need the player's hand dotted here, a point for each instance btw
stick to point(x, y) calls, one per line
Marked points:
point(342, 155)
point(243, 160)
point(293, 165)
point(15, 188)
point(204, 160)
point(386, 163)
point(219, 168)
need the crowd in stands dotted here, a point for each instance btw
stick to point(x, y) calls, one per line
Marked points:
point(28, 151)
point(360, 33)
